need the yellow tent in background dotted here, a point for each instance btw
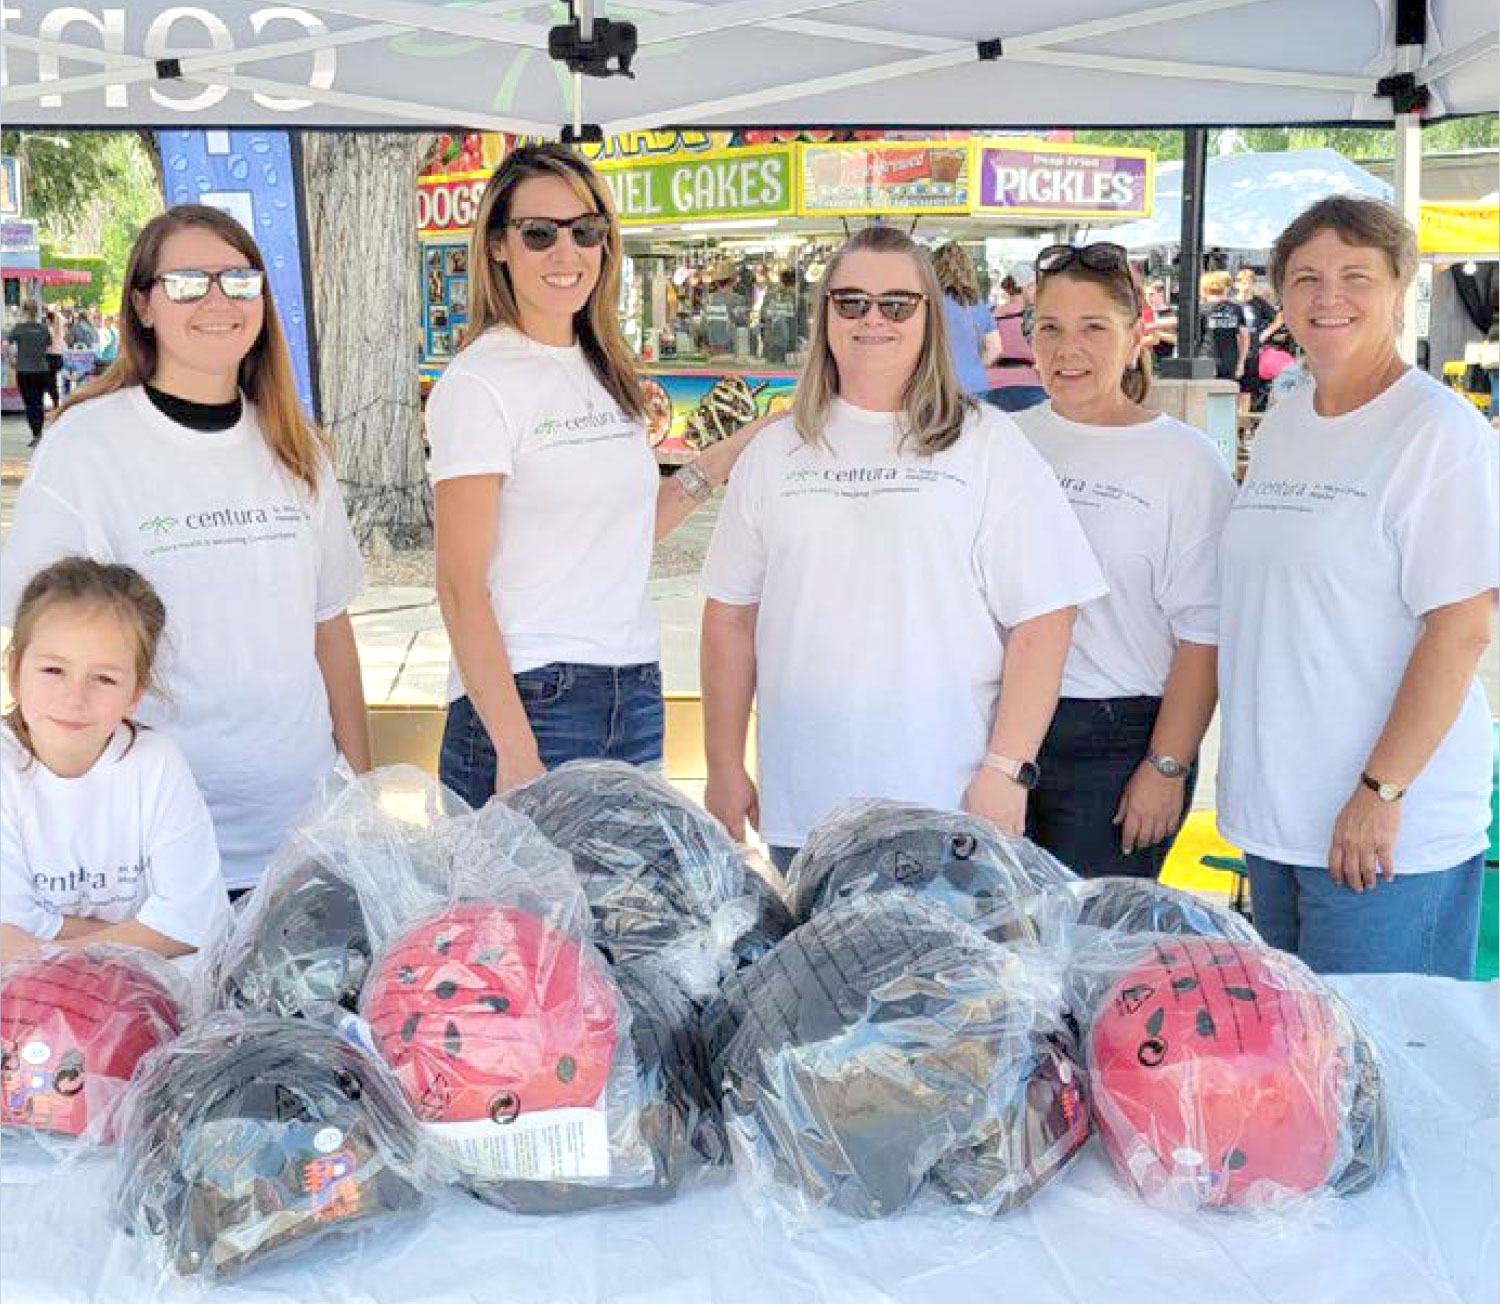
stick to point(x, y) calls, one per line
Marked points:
point(1461, 230)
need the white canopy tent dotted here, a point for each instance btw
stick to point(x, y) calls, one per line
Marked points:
point(424, 63)
point(1249, 198)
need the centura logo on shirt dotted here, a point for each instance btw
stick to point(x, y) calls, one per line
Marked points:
point(218, 526)
point(584, 428)
point(864, 481)
point(1099, 493)
point(78, 880)
point(1295, 495)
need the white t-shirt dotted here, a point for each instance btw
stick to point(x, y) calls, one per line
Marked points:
point(1152, 500)
point(1345, 533)
point(886, 582)
point(572, 556)
point(131, 839)
point(247, 562)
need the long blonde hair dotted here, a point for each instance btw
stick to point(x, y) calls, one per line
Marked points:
point(934, 406)
point(492, 299)
point(956, 273)
point(266, 375)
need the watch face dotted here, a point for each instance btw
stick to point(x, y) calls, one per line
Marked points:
point(1388, 792)
point(1169, 768)
point(1029, 774)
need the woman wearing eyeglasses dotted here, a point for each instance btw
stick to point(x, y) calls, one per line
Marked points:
point(893, 577)
point(1152, 495)
point(191, 460)
point(548, 497)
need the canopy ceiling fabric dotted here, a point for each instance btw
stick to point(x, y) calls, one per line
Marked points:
point(1249, 198)
point(396, 64)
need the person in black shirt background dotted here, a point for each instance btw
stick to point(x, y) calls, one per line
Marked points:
point(1223, 333)
point(1261, 319)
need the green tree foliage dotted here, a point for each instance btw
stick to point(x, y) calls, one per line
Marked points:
point(1479, 132)
point(90, 192)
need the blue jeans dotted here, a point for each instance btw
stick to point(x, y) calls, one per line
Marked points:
point(576, 712)
point(1092, 748)
point(1416, 923)
point(1016, 398)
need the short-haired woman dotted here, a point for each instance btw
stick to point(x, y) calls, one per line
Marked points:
point(1358, 573)
point(893, 578)
point(547, 494)
point(1151, 493)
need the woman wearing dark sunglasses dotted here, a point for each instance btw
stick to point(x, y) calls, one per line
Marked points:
point(191, 460)
point(893, 578)
point(1152, 494)
point(548, 496)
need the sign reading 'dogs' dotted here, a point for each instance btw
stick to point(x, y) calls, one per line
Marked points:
point(732, 183)
point(1066, 181)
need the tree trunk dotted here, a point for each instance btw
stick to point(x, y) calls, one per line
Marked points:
point(361, 198)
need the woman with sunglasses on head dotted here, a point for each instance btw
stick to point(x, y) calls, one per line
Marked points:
point(191, 460)
point(1152, 495)
point(1359, 575)
point(893, 577)
point(548, 496)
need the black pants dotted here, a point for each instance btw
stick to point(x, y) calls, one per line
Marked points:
point(33, 386)
point(54, 370)
point(1088, 756)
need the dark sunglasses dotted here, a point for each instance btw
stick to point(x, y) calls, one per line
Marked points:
point(188, 285)
point(589, 230)
point(897, 305)
point(1100, 257)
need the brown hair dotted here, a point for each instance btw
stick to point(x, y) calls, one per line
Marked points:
point(1356, 220)
point(266, 374)
point(83, 582)
point(492, 299)
point(1126, 295)
point(956, 273)
point(933, 405)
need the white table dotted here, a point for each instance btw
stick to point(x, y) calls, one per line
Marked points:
point(1429, 1233)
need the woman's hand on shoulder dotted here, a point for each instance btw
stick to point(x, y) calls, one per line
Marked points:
point(1363, 849)
point(1001, 800)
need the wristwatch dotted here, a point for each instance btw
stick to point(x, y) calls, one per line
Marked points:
point(1385, 791)
point(1027, 773)
point(1167, 766)
point(691, 480)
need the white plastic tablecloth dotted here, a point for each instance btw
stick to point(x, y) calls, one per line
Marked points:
point(1429, 1233)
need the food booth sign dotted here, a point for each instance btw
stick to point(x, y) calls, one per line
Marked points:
point(448, 203)
point(722, 184)
point(1065, 181)
point(885, 177)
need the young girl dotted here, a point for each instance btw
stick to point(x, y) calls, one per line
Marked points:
point(104, 837)
point(191, 460)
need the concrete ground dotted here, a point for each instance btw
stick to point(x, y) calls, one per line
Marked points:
point(404, 648)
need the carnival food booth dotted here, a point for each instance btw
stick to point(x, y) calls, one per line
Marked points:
point(726, 235)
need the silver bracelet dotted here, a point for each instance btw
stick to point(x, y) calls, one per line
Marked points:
point(691, 480)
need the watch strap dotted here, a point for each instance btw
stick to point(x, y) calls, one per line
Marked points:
point(1385, 791)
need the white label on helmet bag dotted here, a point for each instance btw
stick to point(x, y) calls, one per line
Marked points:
point(36, 1052)
point(548, 1146)
point(327, 1139)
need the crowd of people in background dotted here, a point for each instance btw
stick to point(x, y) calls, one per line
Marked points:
point(54, 350)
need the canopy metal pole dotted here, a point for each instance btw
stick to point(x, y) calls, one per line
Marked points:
point(1190, 256)
point(1411, 39)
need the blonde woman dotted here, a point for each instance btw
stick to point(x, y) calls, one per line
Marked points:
point(893, 577)
point(548, 496)
point(191, 460)
point(973, 337)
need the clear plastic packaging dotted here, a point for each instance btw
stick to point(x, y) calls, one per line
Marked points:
point(74, 1026)
point(1226, 1075)
point(252, 1136)
point(1142, 905)
point(661, 875)
point(507, 1029)
point(299, 945)
point(1000, 884)
point(886, 1047)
